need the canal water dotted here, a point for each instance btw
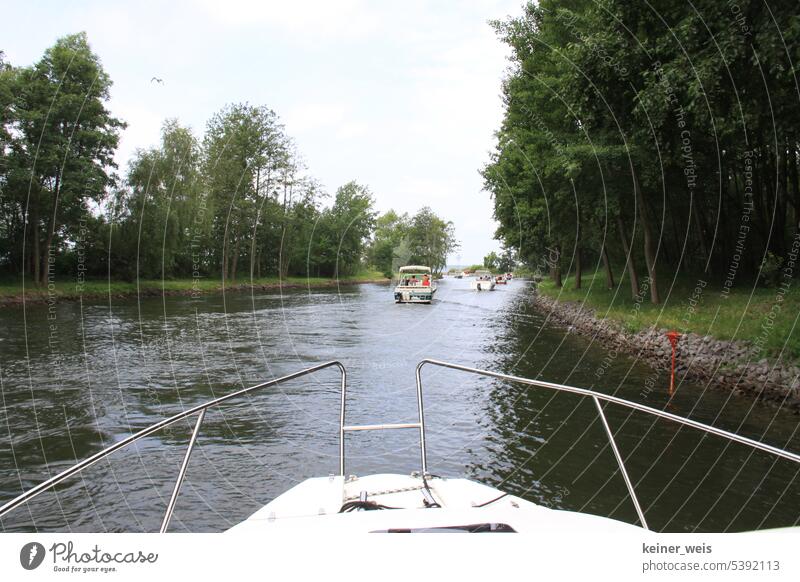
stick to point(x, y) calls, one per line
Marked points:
point(83, 376)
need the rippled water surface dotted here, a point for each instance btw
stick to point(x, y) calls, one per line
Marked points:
point(86, 375)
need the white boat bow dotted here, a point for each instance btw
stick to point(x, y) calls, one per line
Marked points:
point(391, 503)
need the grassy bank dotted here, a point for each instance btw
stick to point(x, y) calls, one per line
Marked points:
point(762, 316)
point(12, 291)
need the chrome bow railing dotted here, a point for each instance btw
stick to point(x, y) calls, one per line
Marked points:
point(597, 397)
point(199, 410)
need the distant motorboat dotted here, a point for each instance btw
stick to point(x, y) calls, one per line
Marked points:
point(415, 284)
point(484, 281)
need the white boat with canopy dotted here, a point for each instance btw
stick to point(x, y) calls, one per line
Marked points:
point(415, 284)
point(341, 504)
point(483, 281)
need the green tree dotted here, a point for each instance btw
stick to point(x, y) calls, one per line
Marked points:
point(161, 205)
point(346, 228)
point(431, 239)
point(391, 229)
point(506, 261)
point(65, 145)
point(12, 217)
point(626, 140)
point(491, 261)
point(246, 162)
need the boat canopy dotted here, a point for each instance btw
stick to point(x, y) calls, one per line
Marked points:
point(415, 269)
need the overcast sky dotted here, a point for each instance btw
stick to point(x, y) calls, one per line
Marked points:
point(401, 96)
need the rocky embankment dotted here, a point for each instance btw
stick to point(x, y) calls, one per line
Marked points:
point(723, 364)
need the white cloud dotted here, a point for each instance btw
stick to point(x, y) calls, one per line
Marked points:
point(306, 117)
point(300, 19)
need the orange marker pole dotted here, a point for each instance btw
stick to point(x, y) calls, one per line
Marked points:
point(673, 337)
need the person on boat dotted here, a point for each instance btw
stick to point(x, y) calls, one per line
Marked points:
point(413, 281)
point(426, 281)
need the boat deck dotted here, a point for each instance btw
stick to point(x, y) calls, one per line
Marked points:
point(465, 506)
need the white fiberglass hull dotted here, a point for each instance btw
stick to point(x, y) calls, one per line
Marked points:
point(464, 505)
point(419, 294)
point(482, 285)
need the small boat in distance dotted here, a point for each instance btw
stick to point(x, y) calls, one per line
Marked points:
point(501, 280)
point(484, 281)
point(414, 285)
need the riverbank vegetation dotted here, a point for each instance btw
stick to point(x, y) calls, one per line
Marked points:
point(234, 205)
point(745, 315)
point(12, 293)
point(653, 140)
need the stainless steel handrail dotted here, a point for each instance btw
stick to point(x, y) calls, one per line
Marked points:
point(199, 410)
point(597, 397)
point(420, 425)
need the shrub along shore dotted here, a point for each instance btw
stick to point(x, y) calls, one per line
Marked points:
point(12, 293)
point(743, 341)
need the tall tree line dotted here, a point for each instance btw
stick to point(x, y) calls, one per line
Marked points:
point(647, 138)
point(236, 203)
point(423, 239)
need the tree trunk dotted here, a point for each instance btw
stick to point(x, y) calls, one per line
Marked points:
point(698, 226)
point(224, 265)
point(46, 264)
point(649, 252)
point(795, 180)
point(557, 277)
point(555, 267)
point(252, 261)
point(739, 198)
point(782, 166)
point(46, 259)
point(36, 261)
point(722, 219)
point(630, 267)
point(766, 188)
point(578, 265)
point(234, 261)
point(607, 266)
point(283, 255)
point(679, 250)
